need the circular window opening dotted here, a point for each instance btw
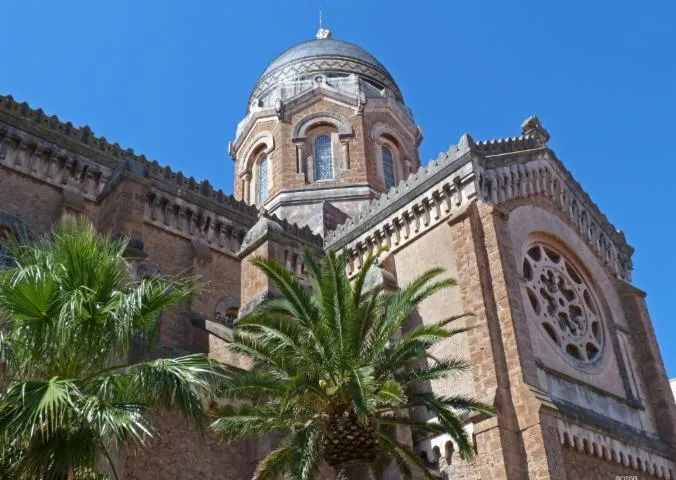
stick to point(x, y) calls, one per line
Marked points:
point(562, 304)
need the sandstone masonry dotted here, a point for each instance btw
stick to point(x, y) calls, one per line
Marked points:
point(327, 158)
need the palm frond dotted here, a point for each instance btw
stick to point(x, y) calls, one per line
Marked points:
point(251, 385)
point(391, 393)
point(37, 406)
point(306, 447)
point(70, 308)
point(329, 359)
point(290, 288)
point(275, 463)
point(177, 383)
point(442, 369)
point(241, 421)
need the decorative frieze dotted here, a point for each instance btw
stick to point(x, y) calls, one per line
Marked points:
point(610, 449)
point(189, 220)
point(74, 158)
point(494, 171)
point(413, 207)
point(50, 163)
point(540, 173)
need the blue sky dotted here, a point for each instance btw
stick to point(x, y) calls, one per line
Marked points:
point(171, 80)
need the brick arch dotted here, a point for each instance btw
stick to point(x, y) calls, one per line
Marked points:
point(554, 208)
point(18, 228)
point(384, 135)
point(379, 129)
point(264, 141)
point(226, 307)
point(342, 125)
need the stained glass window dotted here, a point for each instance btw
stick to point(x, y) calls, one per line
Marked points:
point(388, 168)
point(262, 190)
point(323, 158)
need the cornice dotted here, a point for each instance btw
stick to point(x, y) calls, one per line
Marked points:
point(34, 126)
point(504, 170)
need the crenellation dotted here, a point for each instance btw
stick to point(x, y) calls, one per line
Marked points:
point(65, 165)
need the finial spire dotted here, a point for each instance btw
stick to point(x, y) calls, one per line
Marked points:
point(322, 33)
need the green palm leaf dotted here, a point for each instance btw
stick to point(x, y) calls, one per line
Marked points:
point(71, 312)
point(336, 371)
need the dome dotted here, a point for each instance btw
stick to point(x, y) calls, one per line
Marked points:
point(329, 57)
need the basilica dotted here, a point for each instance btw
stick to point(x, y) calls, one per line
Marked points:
point(326, 158)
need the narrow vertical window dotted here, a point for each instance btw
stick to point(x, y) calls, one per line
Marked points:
point(323, 158)
point(388, 168)
point(262, 186)
point(5, 258)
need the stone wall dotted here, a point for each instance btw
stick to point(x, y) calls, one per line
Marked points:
point(35, 203)
point(612, 392)
point(434, 250)
point(178, 451)
point(580, 465)
point(38, 189)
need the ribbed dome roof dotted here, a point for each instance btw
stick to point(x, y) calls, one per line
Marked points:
point(324, 48)
point(325, 56)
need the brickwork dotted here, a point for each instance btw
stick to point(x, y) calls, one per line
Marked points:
point(178, 451)
point(649, 364)
point(35, 203)
point(254, 282)
point(473, 210)
point(501, 442)
point(583, 466)
point(415, 259)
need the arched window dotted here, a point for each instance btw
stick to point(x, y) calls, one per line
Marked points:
point(262, 186)
point(5, 236)
point(388, 167)
point(323, 158)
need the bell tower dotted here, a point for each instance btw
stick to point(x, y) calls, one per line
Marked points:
point(326, 131)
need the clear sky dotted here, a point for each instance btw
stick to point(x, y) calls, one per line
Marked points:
point(171, 80)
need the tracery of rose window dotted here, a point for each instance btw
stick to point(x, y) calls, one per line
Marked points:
point(563, 305)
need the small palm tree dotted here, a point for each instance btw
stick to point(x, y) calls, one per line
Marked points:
point(336, 374)
point(70, 312)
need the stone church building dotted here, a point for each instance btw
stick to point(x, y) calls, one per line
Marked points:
point(327, 158)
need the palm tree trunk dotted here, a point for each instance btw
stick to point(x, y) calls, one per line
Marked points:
point(354, 471)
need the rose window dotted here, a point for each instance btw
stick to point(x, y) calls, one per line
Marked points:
point(562, 304)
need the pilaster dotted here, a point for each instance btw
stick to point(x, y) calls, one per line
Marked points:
point(649, 363)
point(277, 240)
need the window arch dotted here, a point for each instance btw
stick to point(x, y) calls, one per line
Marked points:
point(262, 185)
point(388, 167)
point(323, 158)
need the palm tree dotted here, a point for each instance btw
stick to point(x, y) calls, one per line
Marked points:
point(70, 311)
point(336, 374)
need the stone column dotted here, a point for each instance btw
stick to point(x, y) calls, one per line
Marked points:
point(268, 238)
point(246, 194)
point(299, 158)
point(345, 148)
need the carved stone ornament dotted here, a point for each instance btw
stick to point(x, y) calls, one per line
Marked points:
point(562, 304)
